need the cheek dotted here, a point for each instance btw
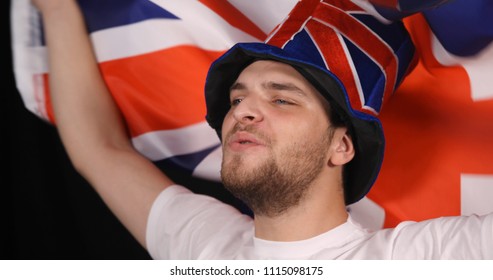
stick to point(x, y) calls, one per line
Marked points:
point(227, 124)
point(294, 127)
point(300, 133)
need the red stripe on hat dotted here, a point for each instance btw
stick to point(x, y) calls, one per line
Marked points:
point(335, 58)
point(293, 23)
point(160, 90)
point(234, 17)
point(363, 38)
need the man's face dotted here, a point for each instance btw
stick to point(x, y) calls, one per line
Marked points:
point(275, 137)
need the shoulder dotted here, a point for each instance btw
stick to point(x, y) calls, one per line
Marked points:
point(459, 237)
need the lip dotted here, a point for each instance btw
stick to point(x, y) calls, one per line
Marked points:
point(242, 140)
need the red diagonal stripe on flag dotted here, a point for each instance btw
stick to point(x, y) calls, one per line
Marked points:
point(234, 17)
point(364, 38)
point(168, 96)
point(47, 96)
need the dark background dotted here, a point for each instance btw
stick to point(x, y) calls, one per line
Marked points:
point(47, 210)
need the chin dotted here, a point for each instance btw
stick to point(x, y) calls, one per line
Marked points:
point(244, 160)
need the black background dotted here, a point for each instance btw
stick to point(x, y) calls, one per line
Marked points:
point(47, 210)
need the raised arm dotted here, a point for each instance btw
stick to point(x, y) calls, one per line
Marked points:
point(90, 124)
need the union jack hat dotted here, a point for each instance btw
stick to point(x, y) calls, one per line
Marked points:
point(353, 57)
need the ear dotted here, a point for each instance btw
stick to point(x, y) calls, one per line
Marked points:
point(342, 148)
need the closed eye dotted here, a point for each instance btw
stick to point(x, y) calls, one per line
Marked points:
point(236, 101)
point(282, 101)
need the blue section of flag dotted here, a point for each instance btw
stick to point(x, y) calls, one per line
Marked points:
point(463, 27)
point(187, 162)
point(102, 14)
point(405, 8)
point(179, 166)
point(413, 6)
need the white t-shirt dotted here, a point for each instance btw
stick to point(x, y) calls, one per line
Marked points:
point(184, 225)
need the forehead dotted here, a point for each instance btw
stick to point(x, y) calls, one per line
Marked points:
point(269, 72)
point(265, 71)
point(273, 68)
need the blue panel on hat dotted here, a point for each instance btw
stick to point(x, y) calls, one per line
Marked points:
point(310, 52)
point(392, 34)
point(396, 38)
point(368, 73)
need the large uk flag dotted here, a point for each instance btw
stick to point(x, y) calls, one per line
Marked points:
point(154, 56)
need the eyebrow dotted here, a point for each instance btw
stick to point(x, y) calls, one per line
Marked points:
point(284, 87)
point(237, 86)
point(289, 87)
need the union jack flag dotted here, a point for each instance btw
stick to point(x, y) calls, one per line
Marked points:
point(154, 56)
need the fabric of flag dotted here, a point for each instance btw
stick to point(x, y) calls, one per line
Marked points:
point(154, 56)
point(439, 125)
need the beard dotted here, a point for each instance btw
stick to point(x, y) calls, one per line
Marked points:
point(277, 184)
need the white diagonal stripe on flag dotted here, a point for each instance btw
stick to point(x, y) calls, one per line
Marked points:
point(159, 145)
point(210, 167)
point(207, 31)
point(265, 14)
point(478, 67)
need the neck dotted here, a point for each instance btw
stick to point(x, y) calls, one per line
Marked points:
point(321, 210)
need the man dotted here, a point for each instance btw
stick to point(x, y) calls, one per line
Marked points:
point(300, 142)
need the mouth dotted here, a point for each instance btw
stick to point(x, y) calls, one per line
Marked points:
point(241, 140)
point(246, 142)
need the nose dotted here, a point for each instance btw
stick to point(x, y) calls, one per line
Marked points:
point(248, 111)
